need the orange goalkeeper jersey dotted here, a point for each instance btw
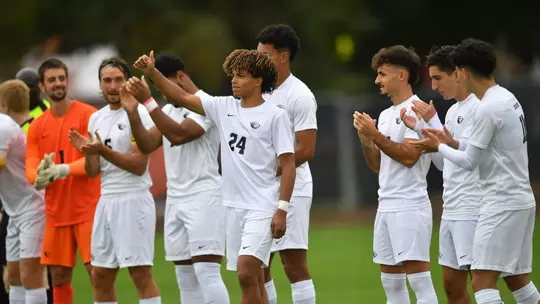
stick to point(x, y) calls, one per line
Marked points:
point(73, 199)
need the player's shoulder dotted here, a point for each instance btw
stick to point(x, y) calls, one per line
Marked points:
point(7, 123)
point(300, 91)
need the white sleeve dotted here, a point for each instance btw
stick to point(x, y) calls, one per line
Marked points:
point(146, 120)
point(211, 106)
point(6, 136)
point(468, 159)
point(305, 113)
point(91, 120)
point(205, 122)
point(435, 122)
point(438, 160)
point(282, 135)
point(462, 145)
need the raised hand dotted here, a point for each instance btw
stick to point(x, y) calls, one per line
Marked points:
point(145, 63)
point(128, 101)
point(365, 126)
point(408, 120)
point(78, 140)
point(95, 146)
point(430, 143)
point(422, 109)
point(138, 88)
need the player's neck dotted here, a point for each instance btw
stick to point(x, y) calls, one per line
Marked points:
point(461, 95)
point(251, 101)
point(481, 86)
point(283, 74)
point(402, 95)
point(115, 106)
point(20, 118)
point(60, 108)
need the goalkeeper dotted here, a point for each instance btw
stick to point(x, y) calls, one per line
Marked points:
point(70, 195)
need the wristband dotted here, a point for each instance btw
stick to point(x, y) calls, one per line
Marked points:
point(151, 104)
point(283, 205)
point(435, 122)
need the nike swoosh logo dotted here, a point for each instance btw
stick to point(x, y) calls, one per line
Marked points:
point(230, 115)
point(246, 247)
point(461, 257)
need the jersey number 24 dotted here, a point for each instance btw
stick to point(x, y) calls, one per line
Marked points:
point(237, 142)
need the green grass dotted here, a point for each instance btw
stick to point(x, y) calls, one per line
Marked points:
point(340, 261)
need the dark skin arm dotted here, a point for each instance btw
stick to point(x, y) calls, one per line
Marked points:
point(304, 150)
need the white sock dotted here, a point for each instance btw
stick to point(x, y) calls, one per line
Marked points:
point(16, 294)
point(423, 287)
point(527, 294)
point(36, 296)
point(271, 292)
point(212, 285)
point(303, 292)
point(154, 300)
point(190, 289)
point(488, 296)
point(395, 287)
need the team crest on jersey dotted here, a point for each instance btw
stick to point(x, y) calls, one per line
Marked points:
point(281, 106)
point(121, 126)
point(255, 125)
point(460, 119)
point(398, 120)
point(186, 115)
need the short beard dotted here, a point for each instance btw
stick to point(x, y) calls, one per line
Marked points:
point(58, 99)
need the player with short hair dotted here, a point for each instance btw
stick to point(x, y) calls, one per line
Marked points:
point(462, 188)
point(195, 244)
point(497, 145)
point(256, 136)
point(70, 195)
point(403, 223)
point(125, 219)
point(282, 44)
point(38, 105)
point(23, 203)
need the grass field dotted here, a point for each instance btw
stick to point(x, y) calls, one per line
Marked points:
point(340, 263)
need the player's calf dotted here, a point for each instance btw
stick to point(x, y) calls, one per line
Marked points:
point(455, 285)
point(33, 281)
point(295, 266)
point(249, 274)
point(144, 282)
point(16, 290)
point(523, 289)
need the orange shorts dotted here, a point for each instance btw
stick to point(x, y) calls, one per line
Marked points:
point(60, 244)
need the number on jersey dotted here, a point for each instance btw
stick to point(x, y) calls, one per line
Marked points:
point(523, 127)
point(240, 143)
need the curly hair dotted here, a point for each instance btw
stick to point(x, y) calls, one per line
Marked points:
point(400, 56)
point(16, 94)
point(477, 55)
point(282, 36)
point(258, 64)
point(439, 56)
point(115, 62)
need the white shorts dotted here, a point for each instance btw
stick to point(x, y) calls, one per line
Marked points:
point(195, 227)
point(24, 238)
point(456, 243)
point(123, 231)
point(503, 241)
point(296, 235)
point(248, 233)
point(402, 236)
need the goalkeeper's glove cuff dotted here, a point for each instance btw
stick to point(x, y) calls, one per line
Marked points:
point(63, 170)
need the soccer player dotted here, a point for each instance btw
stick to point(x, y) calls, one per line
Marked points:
point(71, 198)
point(497, 145)
point(22, 202)
point(462, 188)
point(195, 244)
point(125, 219)
point(404, 218)
point(282, 44)
point(256, 135)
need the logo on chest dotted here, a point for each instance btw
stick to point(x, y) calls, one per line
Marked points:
point(121, 126)
point(281, 106)
point(254, 124)
point(460, 119)
point(186, 115)
point(398, 120)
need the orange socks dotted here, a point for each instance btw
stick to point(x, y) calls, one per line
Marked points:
point(63, 294)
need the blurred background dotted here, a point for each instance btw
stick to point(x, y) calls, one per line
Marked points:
point(338, 39)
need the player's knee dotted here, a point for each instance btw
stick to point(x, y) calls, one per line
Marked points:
point(296, 272)
point(61, 275)
point(13, 277)
point(141, 275)
point(102, 278)
point(247, 278)
point(517, 282)
point(454, 292)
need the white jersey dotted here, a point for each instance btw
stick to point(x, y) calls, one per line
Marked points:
point(252, 138)
point(17, 195)
point(115, 131)
point(500, 130)
point(401, 188)
point(191, 168)
point(299, 102)
point(462, 194)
